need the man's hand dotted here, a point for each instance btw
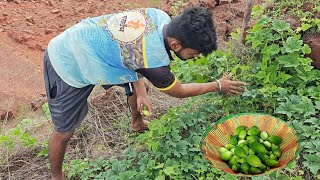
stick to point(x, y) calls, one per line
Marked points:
point(143, 99)
point(231, 87)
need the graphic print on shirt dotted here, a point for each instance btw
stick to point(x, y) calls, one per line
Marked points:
point(129, 29)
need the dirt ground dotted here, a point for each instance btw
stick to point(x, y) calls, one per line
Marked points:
point(26, 27)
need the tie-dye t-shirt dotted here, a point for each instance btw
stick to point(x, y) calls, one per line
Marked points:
point(108, 49)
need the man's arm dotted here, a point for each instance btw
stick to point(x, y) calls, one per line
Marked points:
point(180, 90)
point(194, 89)
point(165, 81)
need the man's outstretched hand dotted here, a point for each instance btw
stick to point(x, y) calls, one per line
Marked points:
point(231, 87)
point(144, 105)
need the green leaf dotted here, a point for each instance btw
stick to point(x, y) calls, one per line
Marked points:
point(312, 163)
point(306, 26)
point(169, 171)
point(292, 44)
point(283, 77)
point(161, 177)
point(43, 152)
point(279, 26)
point(159, 166)
point(290, 60)
point(306, 49)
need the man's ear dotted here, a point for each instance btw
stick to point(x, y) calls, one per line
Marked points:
point(174, 44)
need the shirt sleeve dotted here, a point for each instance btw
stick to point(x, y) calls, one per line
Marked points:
point(160, 77)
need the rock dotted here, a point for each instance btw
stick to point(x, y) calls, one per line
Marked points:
point(53, 26)
point(92, 9)
point(314, 43)
point(49, 31)
point(2, 18)
point(29, 23)
point(80, 9)
point(51, 3)
point(30, 19)
point(17, 1)
point(208, 3)
point(8, 109)
point(37, 102)
point(222, 2)
point(55, 11)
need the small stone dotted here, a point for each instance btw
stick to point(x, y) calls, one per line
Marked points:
point(29, 19)
point(80, 9)
point(92, 9)
point(17, 1)
point(37, 102)
point(53, 26)
point(222, 2)
point(49, 31)
point(8, 109)
point(55, 11)
point(50, 3)
point(29, 23)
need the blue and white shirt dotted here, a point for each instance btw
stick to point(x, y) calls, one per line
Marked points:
point(108, 49)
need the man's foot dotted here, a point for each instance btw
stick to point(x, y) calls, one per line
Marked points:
point(139, 127)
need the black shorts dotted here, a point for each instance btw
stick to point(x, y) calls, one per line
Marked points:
point(68, 105)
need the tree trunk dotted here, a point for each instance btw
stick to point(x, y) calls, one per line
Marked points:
point(246, 19)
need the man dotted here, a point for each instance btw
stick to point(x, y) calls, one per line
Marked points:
point(116, 49)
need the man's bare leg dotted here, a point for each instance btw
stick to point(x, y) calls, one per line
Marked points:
point(137, 123)
point(57, 147)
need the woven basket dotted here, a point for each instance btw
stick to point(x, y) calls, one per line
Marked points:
point(218, 134)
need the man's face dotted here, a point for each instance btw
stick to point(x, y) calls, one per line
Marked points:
point(187, 53)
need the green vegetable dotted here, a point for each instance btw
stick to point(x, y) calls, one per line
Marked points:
point(146, 112)
point(263, 157)
point(238, 130)
point(277, 152)
point(226, 155)
point(251, 139)
point(235, 167)
point(222, 149)
point(267, 144)
point(253, 132)
point(233, 160)
point(239, 152)
point(233, 141)
point(229, 146)
point(258, 148)
point(242, 142)
point(275, 140)
point(272, 162)
point(264, 135)
point(255, 170)
point(251, 151)
point(254, 161)
point(242, 134)
point(245, 168)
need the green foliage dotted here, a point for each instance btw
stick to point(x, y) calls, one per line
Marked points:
point(46, 110)
point(19, 138)
point(281, 82)
point(18, 135)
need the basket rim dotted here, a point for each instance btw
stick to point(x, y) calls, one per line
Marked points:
point(223, 119)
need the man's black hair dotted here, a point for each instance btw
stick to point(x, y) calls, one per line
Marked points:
point(194, 28)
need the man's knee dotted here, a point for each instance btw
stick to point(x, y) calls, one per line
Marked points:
point(62, 136)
